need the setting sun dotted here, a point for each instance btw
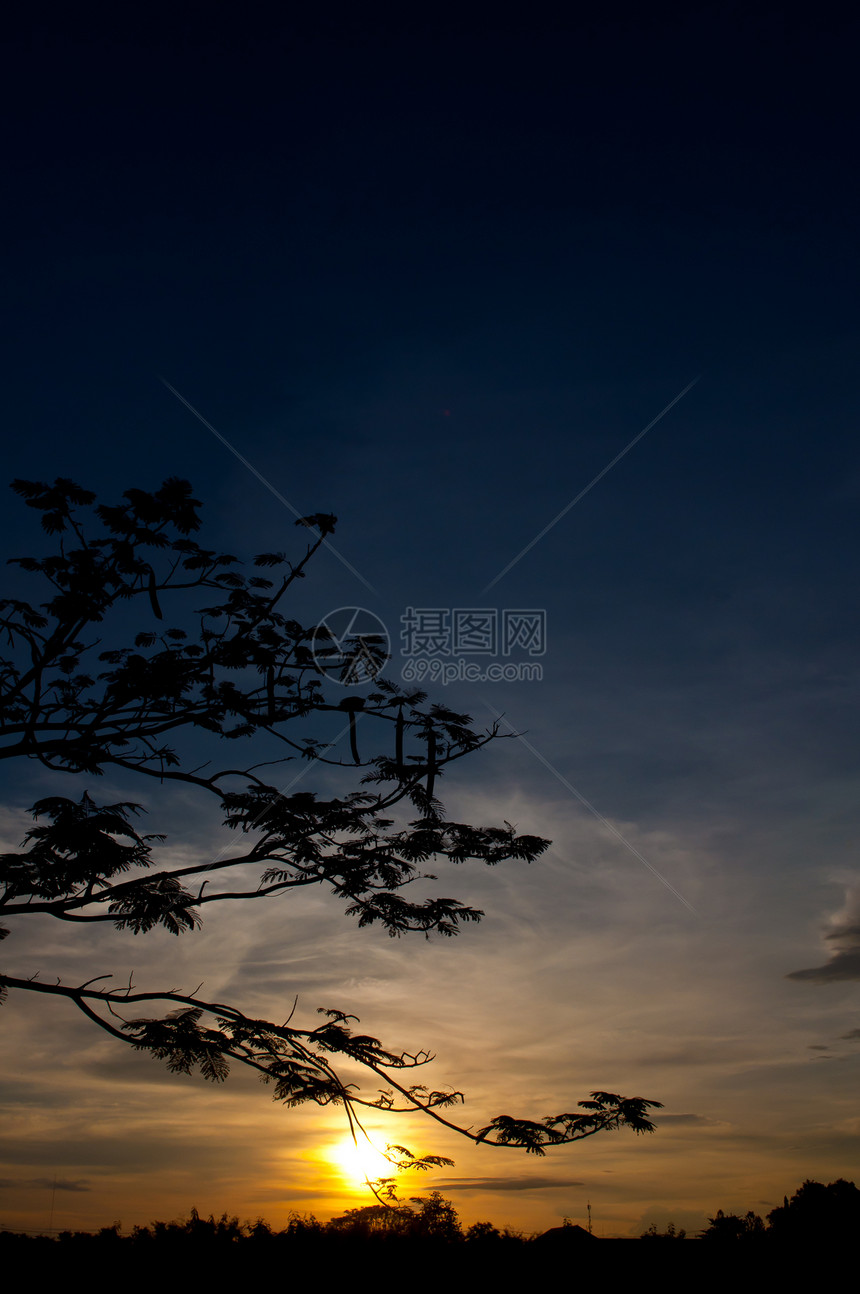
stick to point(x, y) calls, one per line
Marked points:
point(360, 1161)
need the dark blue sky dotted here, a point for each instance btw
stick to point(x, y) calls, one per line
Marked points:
point(432, 277)
point(327, 239)
point(433, 280)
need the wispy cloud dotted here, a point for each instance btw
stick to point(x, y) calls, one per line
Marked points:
point(689, 1120)
point(843, 937)
point(591, 809)
point(509, 1183)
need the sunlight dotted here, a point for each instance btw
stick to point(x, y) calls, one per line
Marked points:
point(360, 1161)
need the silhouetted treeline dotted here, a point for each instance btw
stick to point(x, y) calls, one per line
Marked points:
point(435, 1219)
point(815, 1214)
point(210, 1248)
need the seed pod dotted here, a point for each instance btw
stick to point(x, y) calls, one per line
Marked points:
point(431, 762)
point(153, 596)
point(398, 741)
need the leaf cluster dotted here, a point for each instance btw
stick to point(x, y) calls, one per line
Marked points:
point(605, 1112)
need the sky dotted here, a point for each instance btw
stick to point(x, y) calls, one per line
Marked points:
point(436, 277)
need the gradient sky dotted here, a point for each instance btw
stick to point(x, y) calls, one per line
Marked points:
point(434, 280)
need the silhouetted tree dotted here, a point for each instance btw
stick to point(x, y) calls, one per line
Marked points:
point(483, 1233)
point(432, 1218)
point(81, 701)
point(436, 1219)
point(817, 1212)
point(730, 1226)
point(303, 1224)
point(669, 1234)
point(374, 1220)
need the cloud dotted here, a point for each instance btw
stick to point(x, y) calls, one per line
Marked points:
point(680, 1120)
point(44, 1183)
point(509, 1183)
point(843, 937)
